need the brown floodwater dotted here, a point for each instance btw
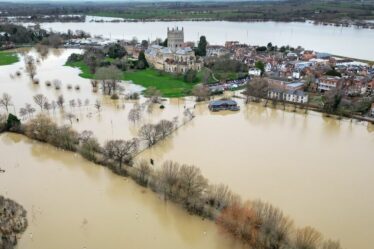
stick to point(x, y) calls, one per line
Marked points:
point(72, 203)
point(112, 121)
point(318, 170)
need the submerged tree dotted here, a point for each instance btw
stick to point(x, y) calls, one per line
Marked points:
point(121, 151)
point(109, 76)
point(201, 92)
point(40, 100)
point(30, 66)
point(6, 101)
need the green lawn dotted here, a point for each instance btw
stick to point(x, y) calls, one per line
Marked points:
point(7, 58)
point(169, 85)
point(85, 71)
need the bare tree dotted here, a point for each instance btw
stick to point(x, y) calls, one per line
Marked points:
point(30, 66)
point(23, 112)
point(40, 100)
point(72, 103)
point(135, 114)
point(220, 196)
point(164, 128)
point(201, 92)
point(6, 101)
point(47, 106)
point(149, 133)
point(192, 184)
point(256, 89)
point(168, 178)
point(275, 229)
point(144, 172)
point(70, 116)
point(29, 109)
point(307, 238)
point(98, 105)
point(329, 244)
point(57, 84)
point(53, 105)
point(60, 101)
point(153, 94)
point(89, 145)
point(109, 76)
point(121, 151)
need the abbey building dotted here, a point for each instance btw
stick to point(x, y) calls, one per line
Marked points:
point(176, 57)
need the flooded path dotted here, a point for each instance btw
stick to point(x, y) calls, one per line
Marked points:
point(72, 203)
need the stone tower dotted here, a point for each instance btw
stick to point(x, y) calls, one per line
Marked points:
point(175, 38)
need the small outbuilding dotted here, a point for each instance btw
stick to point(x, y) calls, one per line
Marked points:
point(218, 105)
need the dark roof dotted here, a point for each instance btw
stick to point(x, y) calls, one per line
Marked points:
point(222, 102)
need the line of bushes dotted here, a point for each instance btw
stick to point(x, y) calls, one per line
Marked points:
point(257, 224)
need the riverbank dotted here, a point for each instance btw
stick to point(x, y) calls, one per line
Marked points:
point(13, 222)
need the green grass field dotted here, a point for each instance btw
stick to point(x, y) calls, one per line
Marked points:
point(7, 58)
point(169, 85)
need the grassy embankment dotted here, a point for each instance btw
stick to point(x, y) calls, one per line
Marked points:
point(169, 85)
point(7, 58)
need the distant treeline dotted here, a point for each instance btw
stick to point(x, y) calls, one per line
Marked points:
point(19, 35)
point(291, 10)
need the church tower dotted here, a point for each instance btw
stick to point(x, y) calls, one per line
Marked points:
point(175, 38)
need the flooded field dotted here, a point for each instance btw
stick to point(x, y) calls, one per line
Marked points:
point(110, 123)
point(72, 203)
point(318, 170)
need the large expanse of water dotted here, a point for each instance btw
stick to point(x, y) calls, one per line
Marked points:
point(72, 203)
point(318, 170)
point(345, 41)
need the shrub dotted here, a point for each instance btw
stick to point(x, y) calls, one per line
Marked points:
point(65, 138)
point(40, 128)
point(13, 123)
point(74, 58)
point(114, 96)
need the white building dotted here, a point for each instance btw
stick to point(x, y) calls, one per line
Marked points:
point(294, 96)
point(254, 72)
point(328, 83)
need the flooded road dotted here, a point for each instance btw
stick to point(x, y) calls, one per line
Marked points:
point(72, 203)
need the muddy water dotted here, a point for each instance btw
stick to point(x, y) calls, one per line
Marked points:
point(111, 122)
point(72, 203)
point(318, 170)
